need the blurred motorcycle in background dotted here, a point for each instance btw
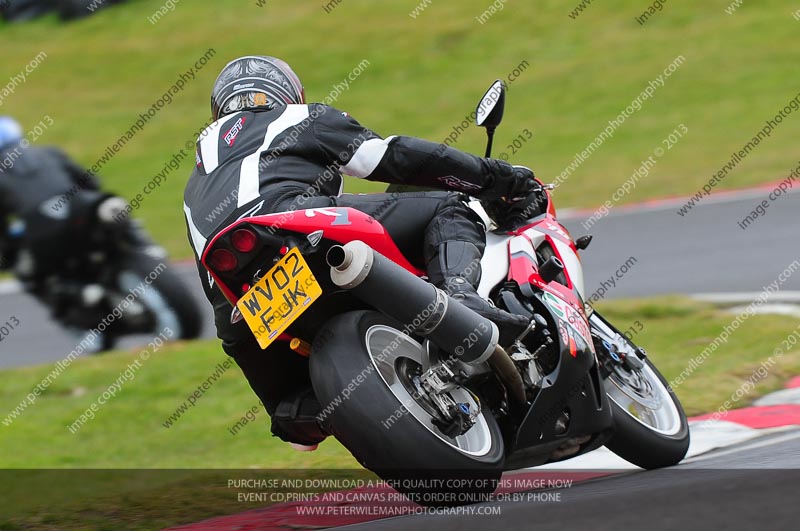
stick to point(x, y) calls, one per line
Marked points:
point(101, 279)
point(24, 10)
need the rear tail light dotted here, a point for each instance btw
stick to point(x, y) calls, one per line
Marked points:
point(223, 260)
point(244, 240)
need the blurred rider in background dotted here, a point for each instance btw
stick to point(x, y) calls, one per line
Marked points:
point(48, 204)
point(36, 184)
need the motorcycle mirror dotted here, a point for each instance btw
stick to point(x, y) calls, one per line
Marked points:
point(490, 110)
point(489, 113)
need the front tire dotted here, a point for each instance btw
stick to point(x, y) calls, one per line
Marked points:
point(169, 299)
point(651, 429)
point(358, 369)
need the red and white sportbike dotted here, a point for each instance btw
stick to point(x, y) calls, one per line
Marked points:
point(413, 383)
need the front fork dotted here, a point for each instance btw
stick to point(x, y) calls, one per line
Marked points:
point(612, 347)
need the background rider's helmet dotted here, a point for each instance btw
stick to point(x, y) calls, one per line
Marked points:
point(255, 82)
point(10, 131)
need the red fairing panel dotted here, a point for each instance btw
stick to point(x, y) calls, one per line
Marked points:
point(524, 270)
point(340, 224)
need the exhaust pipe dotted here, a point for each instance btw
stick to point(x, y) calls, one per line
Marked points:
point(424, 309)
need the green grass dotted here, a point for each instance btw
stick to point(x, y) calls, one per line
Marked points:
point(424, 76)
point(128, 432)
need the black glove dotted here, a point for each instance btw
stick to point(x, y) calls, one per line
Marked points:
point(510, 216)
point(507, 183)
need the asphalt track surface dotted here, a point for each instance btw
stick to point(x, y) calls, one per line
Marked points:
point(750, 486)
point(702, 252)
point(705, 251)
point(38, 339)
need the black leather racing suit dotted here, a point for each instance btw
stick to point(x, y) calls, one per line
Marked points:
point(36, 185)
point(293, 157)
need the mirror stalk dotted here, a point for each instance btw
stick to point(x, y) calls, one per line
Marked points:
point(490, 135)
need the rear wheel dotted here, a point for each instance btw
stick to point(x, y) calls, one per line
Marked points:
point(365, 373)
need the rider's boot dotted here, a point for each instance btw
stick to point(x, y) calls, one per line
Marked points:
point(456, 269)
point(296, 420)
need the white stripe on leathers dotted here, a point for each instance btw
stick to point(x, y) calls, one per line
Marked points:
point(367, 157)
point(249, 182)
point(209, 144)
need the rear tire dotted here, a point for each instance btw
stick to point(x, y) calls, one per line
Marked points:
point(357, 376)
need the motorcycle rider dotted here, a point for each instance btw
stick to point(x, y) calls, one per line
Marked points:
point(41, 189)
point(31, 178)
point(268, 151)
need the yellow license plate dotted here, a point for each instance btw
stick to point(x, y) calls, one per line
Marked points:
point(279, 298)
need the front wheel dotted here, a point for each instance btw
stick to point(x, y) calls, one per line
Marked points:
point(651, 429)
point(366, 375)
point(166, 297)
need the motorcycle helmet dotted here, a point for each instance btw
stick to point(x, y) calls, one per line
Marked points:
point(10, 131)
point(254, 82)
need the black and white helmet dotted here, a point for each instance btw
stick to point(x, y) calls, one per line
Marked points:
point(255, 81)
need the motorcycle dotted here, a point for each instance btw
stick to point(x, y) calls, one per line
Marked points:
point(89, 270)
point(413, 383)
